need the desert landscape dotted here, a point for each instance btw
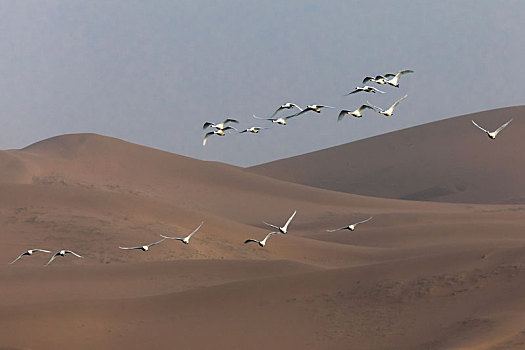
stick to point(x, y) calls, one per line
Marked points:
point(440, 266)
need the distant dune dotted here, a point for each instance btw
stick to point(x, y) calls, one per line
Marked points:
point(447, 161)
point(419, 275)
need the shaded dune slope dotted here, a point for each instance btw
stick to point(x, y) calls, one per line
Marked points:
point(447, 161)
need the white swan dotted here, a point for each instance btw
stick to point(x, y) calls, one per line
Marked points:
point(352, 226)
point(287, 105)
point(62, 252)
point(313, 108)
point(390, 110)
point(493, 134)
point(283, 229)
point(395, 80)
point(261, 243)
point(186, 239)
point(253, 129)
point(365, 88)
point(218, 132)
point(29, 252)
point(219, 126)
point(379, 79)
point(144, 248)
point(357, 113)
point(280, 121)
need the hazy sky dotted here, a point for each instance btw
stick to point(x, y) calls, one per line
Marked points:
point(152, 72)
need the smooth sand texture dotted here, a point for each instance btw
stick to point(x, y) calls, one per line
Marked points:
point(419, 275)
point(447, 161)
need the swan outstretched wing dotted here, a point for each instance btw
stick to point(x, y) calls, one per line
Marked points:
point(197, 229)
point(354, 91)
point(72, 252)
point(362, 222)
point(502, 127)
point(405, 72)
point(376, 108)
point(398, 101)
point(256, 117)
point(206, 137)
point(276, 227)
point(342, 114)
point(52, 258)
point(473, 122)
point(338, 229)
point(155, 243)
point(130, 247)
point(19, 257)
point(285, 227)
point(230, 120)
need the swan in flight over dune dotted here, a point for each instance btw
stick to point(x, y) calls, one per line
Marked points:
point(261, 243)
point(219, 126)
point(29, 252)
point(145, 248)
point(186, 239)
point(287, 105)
point(218, 132)
point(283, 229)
point(253, 129)
point(357, 113)
point(351, 227)
point(493, 134)
point(62, 252)
point(365, 88)
point(390, 111)
point(395, 80)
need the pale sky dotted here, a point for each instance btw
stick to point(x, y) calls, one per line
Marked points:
point(152, 72)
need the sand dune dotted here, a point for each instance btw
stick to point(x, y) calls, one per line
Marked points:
point(419, 275)
point(447, 161)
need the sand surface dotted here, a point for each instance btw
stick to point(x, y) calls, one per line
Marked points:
point(419, 275)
